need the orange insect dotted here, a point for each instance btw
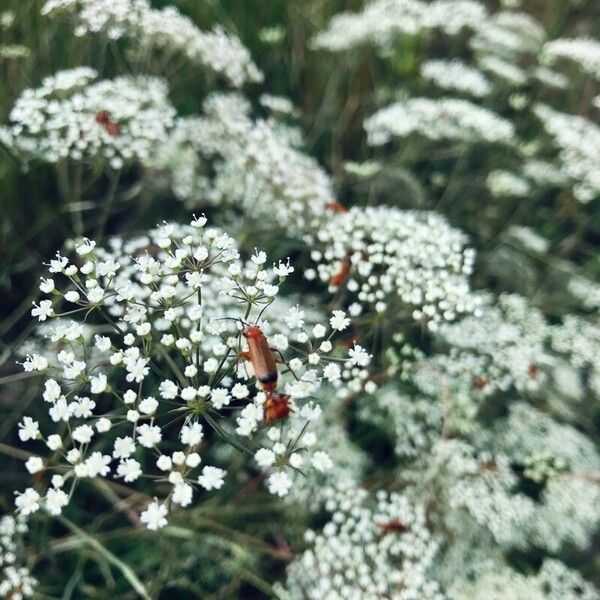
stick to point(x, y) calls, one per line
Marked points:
point(277, 406)
point(533, 371)
point(336, 207)
point(480, 382)
point(393, 526)
point(103, 118)
point(261, 357)
point(342, 273)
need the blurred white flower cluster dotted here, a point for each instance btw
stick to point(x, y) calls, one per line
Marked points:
point(16, 582)
point(578, 141)
point(175, 354)
point(371, 548)
point(383, 20)
point(444, 118)
point(456, 75)
point(166, 30)
point(584, 51)
point(383, 256)
point(72, 116)
point(554, 581)
point(254, 166)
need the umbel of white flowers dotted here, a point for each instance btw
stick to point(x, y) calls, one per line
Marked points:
point(169, 360)
point(164, 30)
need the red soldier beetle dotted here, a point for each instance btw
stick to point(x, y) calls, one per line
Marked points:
point(262, 358)
point(277, 406)
point(393, 526)
point(103, 118)
point(336, 207)
point(533, 371)
point(479, 383)
point(342, 273)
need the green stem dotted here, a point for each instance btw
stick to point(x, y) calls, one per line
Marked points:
point(127, 572)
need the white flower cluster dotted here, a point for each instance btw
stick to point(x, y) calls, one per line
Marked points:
point(554, 581)
point(370, 549)
point(383, 20)
point(440, 119)
point(413, 423)
point(184, 343)
point(255, 166)
point(16, 582)
point(503, 69)
point(456, 75)
point(166, 29)
point(579, 340)
point(482, 483)
point(348, 461)
point(508, 34)
point(510, 337)
point(578, 140)
point(70, 116)
point(586, 291)
point(584, 51)
point(381, 254)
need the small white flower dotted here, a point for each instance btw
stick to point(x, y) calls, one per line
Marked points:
point(178, 457)
point(72, 296)
point(52, 390)
point(332, 372)
point(188, 393)
point(219, 397)
point(129, 397)
point(192, 460)
point(129, 469)
point(98, 384)
point(240, 391)
point(211, 365)
point(148, 405)
point(191, 435)
point(123, 447)
point(264, 457)
point(103, 343)
point(103, 425)
point(182, 494)
point(54, 442)
point(55, 501)
point(28, 429)
point(47, 285)
point(149, 435)
point(168, 390)
point(164, 463)
point(321, 461)
point(339, 321)
point(319, 331)
point(154, 516)
point(85, 247)
point(296, 460)
point(97, 464)
point(359, 356)
point(211, 478)
point(28, 502)
point(43, 311)
point(83, 434)
point(279, 483)
point(34, 464)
